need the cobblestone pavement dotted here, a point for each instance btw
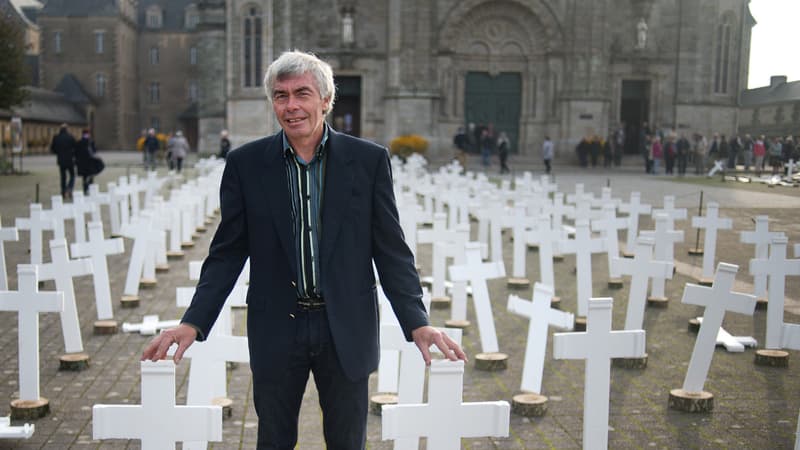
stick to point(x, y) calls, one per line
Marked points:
point(755, 407)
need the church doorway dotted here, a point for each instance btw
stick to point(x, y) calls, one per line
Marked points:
point(634, 111)
point(496, 100)
point(347, 107)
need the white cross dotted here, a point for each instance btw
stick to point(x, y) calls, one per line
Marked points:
point(29, 302)
point(559, 209)
point(445, 419)
point(477, 272)
point(389, 362)
point(499, 219)
point(456, 250)
point(665, 238)
point(80, 207)
point(541, 315)
point(716, 299)
point(96, 250)
point(711, 223)
point(142, 254)
point(521, 223)
point(6, 234)
point(546, 237)
point(597, 345)
point(113, 200)
point(59, 212)
point(62, 270)
point(411, 216)
point(776, 267)
point(609, 227)
point(9, 432)
point(634, 209)
point(583, 246)
point(605, 199)
point(150, 325)
point(123, 193)
point(438, 234)
point(733, 344)
point(669, 209)
point(158, 422)
point(641, 268)
point(580, 195)
point(36, 224)
point(760, 237)
point(719, 166)
point(99, 200)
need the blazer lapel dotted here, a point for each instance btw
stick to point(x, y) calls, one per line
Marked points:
point(276, 194)
point(338, 189)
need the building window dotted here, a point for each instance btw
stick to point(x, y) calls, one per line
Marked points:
point(192, 17)
point(193, 56)
point(153, 56)
point(191, 92)
point(722, 54)
point(99, 41)
point(155, 92)
point(100, 84)
point(155, 123)
point(251, 51)
point(57, 42)
point(154, 17)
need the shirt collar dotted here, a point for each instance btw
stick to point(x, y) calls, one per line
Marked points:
point(289, 151)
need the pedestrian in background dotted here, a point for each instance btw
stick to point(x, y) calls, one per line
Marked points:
point(63, 145)
point(89, 164)
point(180, 147)
point(547, 153)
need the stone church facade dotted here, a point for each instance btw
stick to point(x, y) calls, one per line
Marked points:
point(563, 68)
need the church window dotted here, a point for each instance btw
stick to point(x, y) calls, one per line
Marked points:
point(192, 91)
point(154, 17)
point(99, 41)
point(155, 92)
point(100, 84)
point(193, 56)
point(155, 123)
point(192, 17)
point(251, 47)
point(153, 56)
point(722, 54)
point(57, 41)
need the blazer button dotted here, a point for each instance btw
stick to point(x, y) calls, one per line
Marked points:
point(293, 284)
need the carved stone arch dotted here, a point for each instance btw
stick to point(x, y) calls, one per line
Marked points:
point(534, 19)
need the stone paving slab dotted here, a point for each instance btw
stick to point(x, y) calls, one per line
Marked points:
point(755, 407)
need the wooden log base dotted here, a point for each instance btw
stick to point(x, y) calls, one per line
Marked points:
point(658, 302)
point(147, 283)
point(761, 304)
point(772, 358)
point(114, 236)
point(231, 365)
point(630, 363)
point(533, 247)
point(462, 325)
point(615, 283)
point(491, 362)
point(73, 362)
point(175, 255)
point(440, 302)
point(29, 409)
point(555, 302)
point(377, 401)
point(519, 283)
point(201, 229)
point(580, 324)
point(627, 255)
point(226, 404)
point(558, 258)
point(696, 252)
point(705, 281)
point(162, 267)
point(195, 236)
point(105, 327)
point(129, 301)
point(694, 326)
point(529, 405)
point(187, 244)
point(691, 402)
point(209, 220)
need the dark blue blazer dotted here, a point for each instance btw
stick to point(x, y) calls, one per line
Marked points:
point(359, 224)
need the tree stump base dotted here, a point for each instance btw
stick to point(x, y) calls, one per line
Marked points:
point(129, 301)
point(73, 362)
point(533, 247)
point(694, 326)
point(705, 281)
point(462, 325)
point(761, 304)
point(580, 324)
point(529, 404)
point(187, 244)
point(772, 358)
point(162, 268)
point(695, 252)
point(201, 229)
point(441, 302)
point(615, 283)
point(231, 365)
point(209, 220)
point(147, 283)
point(105, 327)
point(175, 255)
point(518, 283)
point(226, 404)
point(555, 302)
point(491, 362)
point(630, 363)
point(377, 401)
point(658, 302)
point(558, 258)
point(29, 409)
point(691, 402)
point(627, 254)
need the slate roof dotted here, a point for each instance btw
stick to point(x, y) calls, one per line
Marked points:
point(47, 106)
point(81, 8)
point(783, 92)
point(72, 90)
point(173, 11)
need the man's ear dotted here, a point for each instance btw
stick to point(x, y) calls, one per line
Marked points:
point(326, 105)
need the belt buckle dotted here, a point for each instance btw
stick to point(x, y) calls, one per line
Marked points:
point(306, 305)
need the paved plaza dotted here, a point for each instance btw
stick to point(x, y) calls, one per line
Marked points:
point(755, 407)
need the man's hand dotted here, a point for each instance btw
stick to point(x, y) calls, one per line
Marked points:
point(183, 335)
point(426, 336)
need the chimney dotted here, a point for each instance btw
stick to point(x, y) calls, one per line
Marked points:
point(777, 80)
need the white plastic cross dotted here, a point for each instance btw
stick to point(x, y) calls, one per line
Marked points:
point(670, 210)
point(96, 250)
point(641, 268)
point(609, 227)
point(711, 223)
point(6, 234)
point(149, 326)
point(9, 432)
point(665, 237)
point(36, 224)
point(634, 208)
point(583, 246)
point(760, 237)
point(777, 267)
point(733, 344)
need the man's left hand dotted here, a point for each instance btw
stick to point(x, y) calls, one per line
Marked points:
point(426, 336)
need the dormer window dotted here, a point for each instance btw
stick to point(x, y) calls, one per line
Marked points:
point(192, 17)
point(154, 17)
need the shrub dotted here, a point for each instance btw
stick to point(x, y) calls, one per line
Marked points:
point(404, 146)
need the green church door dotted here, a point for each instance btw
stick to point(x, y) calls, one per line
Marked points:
point(494, 100)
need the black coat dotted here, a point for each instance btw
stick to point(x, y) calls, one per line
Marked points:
point(88, 163)
point(63, 146)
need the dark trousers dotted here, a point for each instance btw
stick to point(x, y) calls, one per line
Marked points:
point(344, 402)
point(87, 181)
point(67, 178)
point(547, 166)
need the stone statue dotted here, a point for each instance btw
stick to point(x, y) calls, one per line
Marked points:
point(641, 33)
point(348, 37)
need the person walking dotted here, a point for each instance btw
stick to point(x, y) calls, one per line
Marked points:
point(503, 145)
point(179, 150)
point(151, 147)
point(312, 299)
point(87, 161)
point(547, 153)
point(224, 144)
point(682, 154)
point(63, 145)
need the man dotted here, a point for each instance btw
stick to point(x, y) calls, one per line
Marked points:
point(224, 144)
point(63, 145)
point(547, 153)
point(312, 208)
point(151, 147)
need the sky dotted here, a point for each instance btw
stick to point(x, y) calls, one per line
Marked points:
point(772, 50)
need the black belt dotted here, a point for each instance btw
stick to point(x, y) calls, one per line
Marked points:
point(310, 304)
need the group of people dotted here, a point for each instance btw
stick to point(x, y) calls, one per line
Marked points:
point(176, 145)
point(483, 139)
point(71, 153)
point(593, 146)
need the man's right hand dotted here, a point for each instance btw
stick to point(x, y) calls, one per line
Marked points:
point(183, 335)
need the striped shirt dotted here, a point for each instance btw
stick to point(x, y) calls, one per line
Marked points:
point(306, 181)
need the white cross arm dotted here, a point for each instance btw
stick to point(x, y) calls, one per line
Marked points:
point(519, 306)
point(234, 348)
point(407, 421)
point(791, 336)
point(76, 267)
point(9, 432)
point(487, 270)
point(9, 234)
point(106, 420)
point(622, 344)
point(653, 269)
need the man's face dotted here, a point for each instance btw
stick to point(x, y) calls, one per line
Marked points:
point(298, 106)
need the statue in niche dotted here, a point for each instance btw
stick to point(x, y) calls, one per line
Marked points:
point(348, 35)
point(641, 34)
